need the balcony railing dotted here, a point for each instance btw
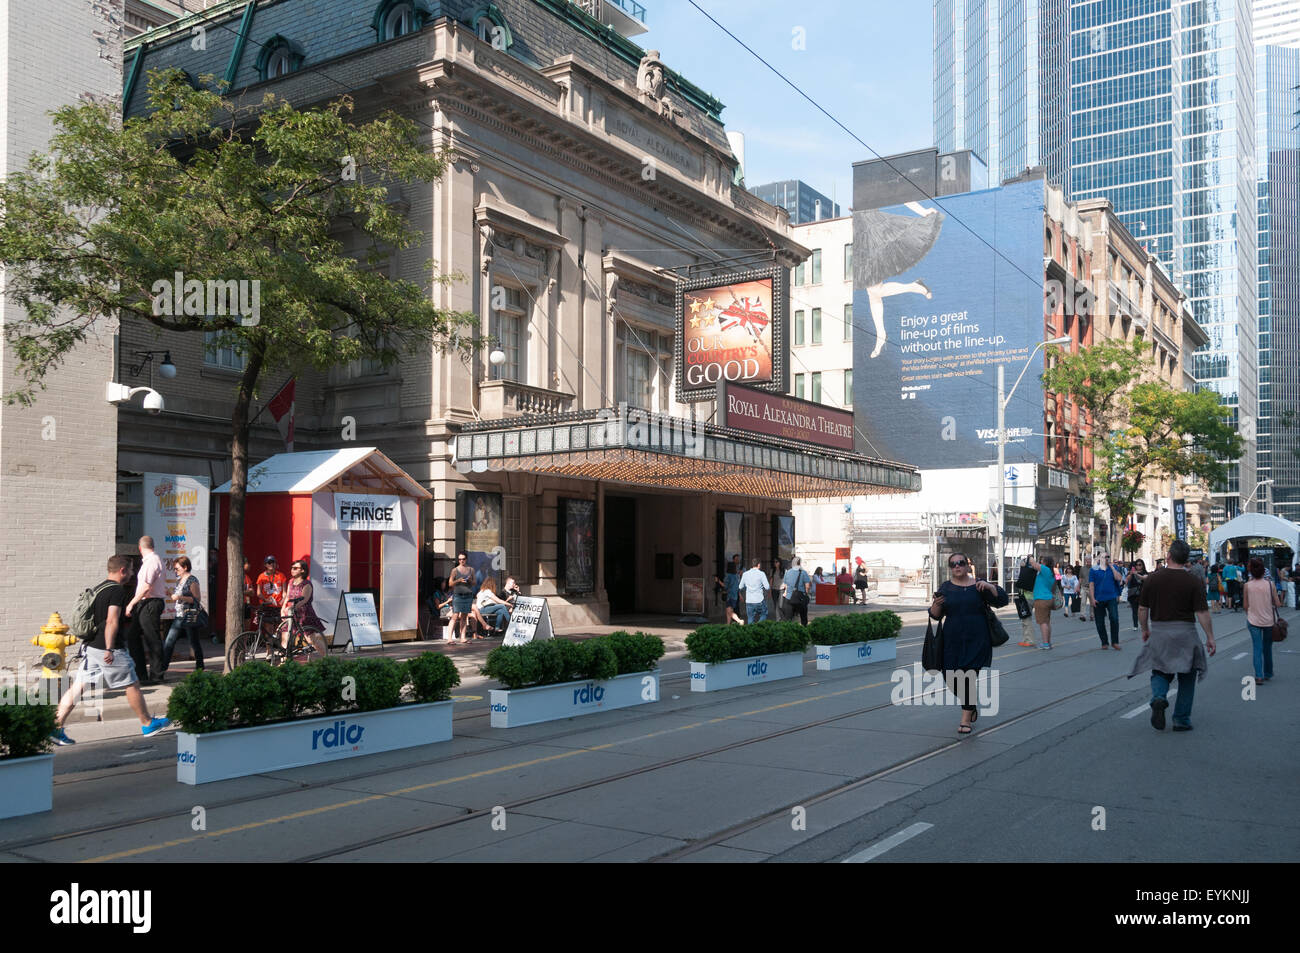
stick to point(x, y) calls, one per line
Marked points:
point(511, 399)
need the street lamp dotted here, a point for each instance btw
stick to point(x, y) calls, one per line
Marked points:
point(1253, 492)
point(1003, 400)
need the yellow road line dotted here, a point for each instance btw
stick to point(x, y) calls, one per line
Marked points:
point(253, 825)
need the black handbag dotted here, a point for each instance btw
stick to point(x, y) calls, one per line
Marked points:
point(1022, 607)
point(799, 597)
point(997, 631)
point(932, 650)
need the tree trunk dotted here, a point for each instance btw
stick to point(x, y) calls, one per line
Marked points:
point(239, 430)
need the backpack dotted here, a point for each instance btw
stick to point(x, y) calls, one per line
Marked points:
point(83, 613)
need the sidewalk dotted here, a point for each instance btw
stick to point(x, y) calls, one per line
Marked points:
point(118, 721)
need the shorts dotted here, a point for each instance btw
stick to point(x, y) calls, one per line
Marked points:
point(1042, 610)
point(734, 605)
point(120, 674)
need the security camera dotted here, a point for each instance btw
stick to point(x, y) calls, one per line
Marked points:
point(153, 402)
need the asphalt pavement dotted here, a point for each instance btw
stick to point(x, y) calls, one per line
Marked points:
point(850, 765)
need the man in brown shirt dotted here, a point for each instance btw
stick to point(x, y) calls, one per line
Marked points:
point(1172, 602)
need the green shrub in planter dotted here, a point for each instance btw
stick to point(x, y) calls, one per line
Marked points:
point(301, 688)
point(558, 660)
point(841, 629)
point(331, 672)
point(636, 652)
point(432, 677)
point(255, 690)
point(25, 730)
point(202, 703)
point(379, 683)
point(721, 643)
point(593, 659)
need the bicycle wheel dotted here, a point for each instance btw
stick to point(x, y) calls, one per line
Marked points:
point(305, 648)
point(240, 649)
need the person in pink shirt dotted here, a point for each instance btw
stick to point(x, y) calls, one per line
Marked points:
point(1262, 601)
point(144, 636)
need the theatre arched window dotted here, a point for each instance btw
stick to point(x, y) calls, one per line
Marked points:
point(394, 18)
point(279, 57)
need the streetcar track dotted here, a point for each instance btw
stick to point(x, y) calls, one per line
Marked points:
point(645, 769)
point(759, 693)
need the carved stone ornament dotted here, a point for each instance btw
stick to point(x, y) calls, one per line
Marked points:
point(650, 75)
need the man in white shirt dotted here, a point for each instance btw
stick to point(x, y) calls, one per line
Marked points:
point(756, 587)
point(144, 637)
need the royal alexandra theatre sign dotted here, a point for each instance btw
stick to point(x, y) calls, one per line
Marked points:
point(731, 329)
point(744, 408)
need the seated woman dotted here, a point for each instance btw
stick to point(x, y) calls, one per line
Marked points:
point(844, 585)
point(490, 610)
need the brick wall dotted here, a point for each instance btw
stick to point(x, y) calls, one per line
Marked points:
point(57, 496)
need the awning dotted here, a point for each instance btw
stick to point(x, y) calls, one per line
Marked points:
point(1257, 525)
point(656, 450)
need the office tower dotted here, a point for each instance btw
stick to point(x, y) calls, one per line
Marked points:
point(803, 202)
point(1278, 166)
point(1001, 83)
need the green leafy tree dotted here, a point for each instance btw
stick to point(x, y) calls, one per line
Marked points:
point(1142, 427)
point(220, 192)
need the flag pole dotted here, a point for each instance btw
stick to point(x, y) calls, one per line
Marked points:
point(271, 398)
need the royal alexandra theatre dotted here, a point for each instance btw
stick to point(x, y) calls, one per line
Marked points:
point(648, 507)
point(595, 225)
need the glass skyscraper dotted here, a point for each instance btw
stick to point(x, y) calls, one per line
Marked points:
point(1159, 119)
point(1001, 83)
point(1277, 73)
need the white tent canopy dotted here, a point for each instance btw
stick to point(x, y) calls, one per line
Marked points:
point(1256, 525)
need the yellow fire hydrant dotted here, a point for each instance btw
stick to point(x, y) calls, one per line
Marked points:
point(54, 639)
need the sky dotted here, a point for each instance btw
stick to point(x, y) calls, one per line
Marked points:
point(868, 63)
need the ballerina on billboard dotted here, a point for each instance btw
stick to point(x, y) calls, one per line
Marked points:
point(891, 244)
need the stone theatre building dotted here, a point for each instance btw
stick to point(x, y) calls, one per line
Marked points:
point(589, 179)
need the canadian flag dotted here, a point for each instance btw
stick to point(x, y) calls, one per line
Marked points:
point(281, 407)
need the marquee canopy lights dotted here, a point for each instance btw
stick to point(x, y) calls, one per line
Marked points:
point(660, 451)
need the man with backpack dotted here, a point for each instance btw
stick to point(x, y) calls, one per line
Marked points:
point(106, 661)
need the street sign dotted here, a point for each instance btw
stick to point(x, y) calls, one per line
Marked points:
point(357, 621)
point(530, 619)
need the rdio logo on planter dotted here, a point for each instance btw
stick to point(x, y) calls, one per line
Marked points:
point(339, 733)
point(186, 757)
point(587, 694)
point(864, 651)
point(756, 667)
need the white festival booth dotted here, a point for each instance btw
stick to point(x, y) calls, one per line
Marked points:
point(1255, 525)
point(358, 515)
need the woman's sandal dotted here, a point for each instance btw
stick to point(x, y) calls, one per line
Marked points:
point(975, 716)
point(963, 729)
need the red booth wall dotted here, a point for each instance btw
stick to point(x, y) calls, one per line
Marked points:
point(275, 524)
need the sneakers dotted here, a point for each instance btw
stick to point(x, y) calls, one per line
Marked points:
point(1028, 645)
point(1182, 727)
point(60, 737)
point(155, 726)
point(1045, 645)
point(1158, 707)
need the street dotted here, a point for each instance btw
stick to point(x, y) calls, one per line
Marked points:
point(827, 767)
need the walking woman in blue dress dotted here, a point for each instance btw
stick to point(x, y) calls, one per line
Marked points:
point(967, 644)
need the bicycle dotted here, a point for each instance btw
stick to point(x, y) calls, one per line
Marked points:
point(264, 642)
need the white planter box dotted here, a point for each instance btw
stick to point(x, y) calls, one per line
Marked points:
point(218, 755)
point(26, 785)
point(832, 657)
point(528, 706)
point(715, 676)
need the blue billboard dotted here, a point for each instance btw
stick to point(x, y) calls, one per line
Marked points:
point(935, 311)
